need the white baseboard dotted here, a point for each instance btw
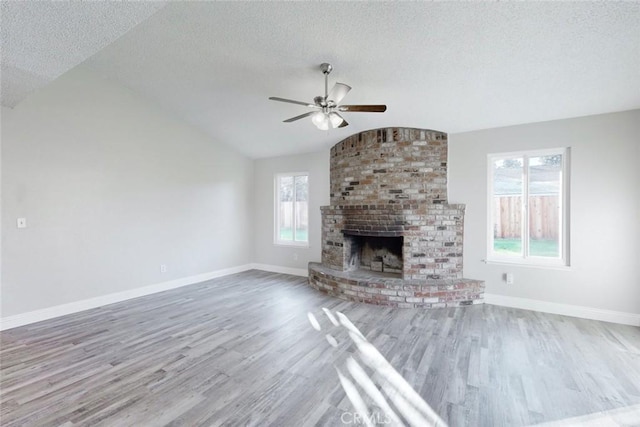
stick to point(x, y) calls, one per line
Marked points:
point(515, 302)
point(74, 307)
point(564, 309)
point(284, 270)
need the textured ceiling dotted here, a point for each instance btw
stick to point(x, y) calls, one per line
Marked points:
point(42, 40)
point(448, 66)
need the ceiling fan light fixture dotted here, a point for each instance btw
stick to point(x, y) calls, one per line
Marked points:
point(335, 120)
point(321, 120)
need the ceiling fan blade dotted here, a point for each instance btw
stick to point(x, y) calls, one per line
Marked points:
point(301, 116)
point(363, 108)
point(343, 124)
point(338, 92)
point(291, 101)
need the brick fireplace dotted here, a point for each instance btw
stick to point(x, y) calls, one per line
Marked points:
point(389, 236)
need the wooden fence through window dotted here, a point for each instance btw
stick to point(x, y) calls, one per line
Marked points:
point(544, 217)
point(301, 212)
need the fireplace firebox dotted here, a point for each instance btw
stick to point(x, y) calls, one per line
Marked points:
point(376, 254)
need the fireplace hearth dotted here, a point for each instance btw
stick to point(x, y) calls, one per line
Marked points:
point(389, 236)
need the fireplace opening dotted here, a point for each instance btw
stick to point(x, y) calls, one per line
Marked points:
point(377, 254)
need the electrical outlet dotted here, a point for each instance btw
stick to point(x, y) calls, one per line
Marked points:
point(163, 268)
point(295, 256)
point(508, 277)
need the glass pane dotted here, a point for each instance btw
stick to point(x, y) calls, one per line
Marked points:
point(507, 206)
point(545, 177)
point(302, 209)
point(285, 213)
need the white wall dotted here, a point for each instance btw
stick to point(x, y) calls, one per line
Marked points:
point(605, 209)
point(265, 252)
point(112, 187)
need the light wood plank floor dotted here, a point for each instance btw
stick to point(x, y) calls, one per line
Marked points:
point(240, 350)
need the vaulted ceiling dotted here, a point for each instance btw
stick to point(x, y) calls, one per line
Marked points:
point(441, 65)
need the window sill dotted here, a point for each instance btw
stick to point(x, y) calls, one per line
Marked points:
point(292, 244)
point(528, 264)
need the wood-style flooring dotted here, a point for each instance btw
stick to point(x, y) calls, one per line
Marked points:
point(240, 350)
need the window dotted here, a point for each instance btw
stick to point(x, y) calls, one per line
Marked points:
point(292, 209)
point(528, 218)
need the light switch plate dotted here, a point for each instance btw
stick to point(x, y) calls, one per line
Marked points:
point(22, 222)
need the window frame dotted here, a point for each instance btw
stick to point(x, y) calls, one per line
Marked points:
point(276, 214)
point(525, 258)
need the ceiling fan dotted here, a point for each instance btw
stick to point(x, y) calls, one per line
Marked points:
point(326, 108)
